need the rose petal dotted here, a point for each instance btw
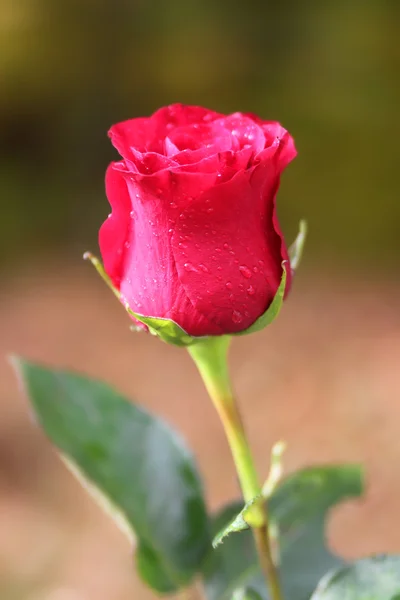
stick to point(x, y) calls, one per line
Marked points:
point(114, 231)
point(150, 284)
point(147, 134)
point(226, 264)
point(244, 131)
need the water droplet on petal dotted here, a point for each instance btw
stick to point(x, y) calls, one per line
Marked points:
point(191, 268)
point(210, 210)
point(261, 263)
point(172, 204)
point(255, 269)
point(213, 232)
point(245, 271)
point(237, 316)
point(251, 291)
point(182, 245)
point(131, 214)
point(226, 246)
point(127, 245)
point(228, 285)
point(218, 250)
point(203, 268)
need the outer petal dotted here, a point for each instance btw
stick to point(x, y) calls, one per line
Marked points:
point(114, 231)
point(149, 281)
point(265, 180)
point(224, 258)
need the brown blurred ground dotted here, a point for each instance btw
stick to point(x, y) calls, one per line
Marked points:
point(324, 377)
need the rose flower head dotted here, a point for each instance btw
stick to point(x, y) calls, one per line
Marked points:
point(193, 235)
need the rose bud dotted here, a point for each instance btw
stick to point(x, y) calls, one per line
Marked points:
point(193, 237)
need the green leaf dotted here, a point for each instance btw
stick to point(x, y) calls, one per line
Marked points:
point(298, 508)
point(376, 578)
point(272, 311)
point(246, 594)
point(240, 522)
point(152, 571)
point(138, 467)
point(244, 520)
point(297, 248)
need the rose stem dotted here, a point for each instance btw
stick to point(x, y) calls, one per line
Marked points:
point(210, 356)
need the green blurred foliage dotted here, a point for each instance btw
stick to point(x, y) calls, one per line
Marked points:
point(329, 71)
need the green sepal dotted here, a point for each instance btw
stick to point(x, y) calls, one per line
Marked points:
point(167, 330)
point(374, 578)
point(272, 311)
point(296, 249)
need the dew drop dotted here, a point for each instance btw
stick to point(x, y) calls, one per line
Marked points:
point(182, 245)
point(213, 232)
point(172, 204)
point(251, 291)
point(228, 285)
point(203, 268)
point(127, 245)
point(255, 269)
point(237, 316)
point(182, 216)
point(226, 246)
point(218, 250)
point(261, 263)
point(245, 271)
point(191, 268)
point(219, 268)
point(131, 214)
point(210, 210)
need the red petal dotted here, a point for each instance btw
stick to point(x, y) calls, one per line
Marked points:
point(114, 231)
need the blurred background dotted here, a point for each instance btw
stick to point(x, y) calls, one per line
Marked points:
point(325, 377)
